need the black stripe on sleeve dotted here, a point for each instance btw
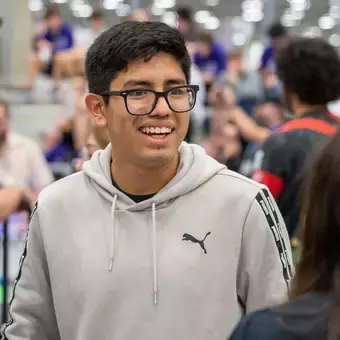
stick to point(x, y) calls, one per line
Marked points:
point(279, 227)
point(21, 263)
point(261, 199)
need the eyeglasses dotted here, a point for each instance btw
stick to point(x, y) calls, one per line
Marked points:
point(141, 102)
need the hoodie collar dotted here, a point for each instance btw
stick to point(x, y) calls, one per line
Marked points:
point(194, 169)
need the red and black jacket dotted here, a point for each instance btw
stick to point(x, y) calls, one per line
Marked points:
point(282, 159)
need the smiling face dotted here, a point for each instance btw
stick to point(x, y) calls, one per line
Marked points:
point(151, 140)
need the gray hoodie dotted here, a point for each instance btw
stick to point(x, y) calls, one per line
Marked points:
point(183, 265)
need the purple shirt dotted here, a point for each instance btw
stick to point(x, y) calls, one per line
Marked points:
point(215, 62)
point(268, 60)
point(61, 40)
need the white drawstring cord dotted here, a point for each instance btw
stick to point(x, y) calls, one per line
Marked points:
point(113, 233)
point(154, 254)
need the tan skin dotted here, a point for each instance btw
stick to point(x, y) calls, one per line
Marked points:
point(10, 199)
point(141, 167)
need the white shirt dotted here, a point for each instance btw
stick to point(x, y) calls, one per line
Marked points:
point(84, 37)
point(23, 164)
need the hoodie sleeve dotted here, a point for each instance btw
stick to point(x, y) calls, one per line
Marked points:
point(31, 312)
point(265, 265)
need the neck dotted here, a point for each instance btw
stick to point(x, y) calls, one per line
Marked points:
point(137, 180)
point(300, 109)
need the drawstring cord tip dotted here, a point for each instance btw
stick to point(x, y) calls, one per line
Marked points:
point(110, 265)
point(155, 298)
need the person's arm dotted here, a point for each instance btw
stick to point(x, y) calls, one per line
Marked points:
point(265, 265)
point(31, 311)
point(248, 127)
point(11, 200)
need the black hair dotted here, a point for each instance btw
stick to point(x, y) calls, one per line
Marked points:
point(310, 69)
point(276, 30)
point(184, 12)
point(115, 48)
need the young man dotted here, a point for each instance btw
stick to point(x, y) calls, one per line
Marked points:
point(310, 72)
point(154, 239)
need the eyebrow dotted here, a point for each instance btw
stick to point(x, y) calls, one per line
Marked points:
point(168, 82)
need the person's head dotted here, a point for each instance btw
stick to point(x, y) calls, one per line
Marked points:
point(139, 57)
point(235, 61)
point(309, 69)
point(320, 224)
point(4, 121)
point(204, 44)
point(96, 20)
point(140, 14)
point(269, 113)
point(52, 19)
point(278, 35)
point(184, 20)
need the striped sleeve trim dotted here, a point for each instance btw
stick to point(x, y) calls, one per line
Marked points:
point(265, 201)
point(21, 263)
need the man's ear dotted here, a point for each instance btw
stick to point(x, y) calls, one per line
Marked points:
point(96, 106)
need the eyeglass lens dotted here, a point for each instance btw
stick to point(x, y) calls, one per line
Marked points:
point(141, 102)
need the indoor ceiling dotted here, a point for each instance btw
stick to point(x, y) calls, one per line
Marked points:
point(301, 16)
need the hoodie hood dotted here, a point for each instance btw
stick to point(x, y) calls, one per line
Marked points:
point(195, 168)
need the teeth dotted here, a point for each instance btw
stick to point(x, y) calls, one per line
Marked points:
point(156, 130)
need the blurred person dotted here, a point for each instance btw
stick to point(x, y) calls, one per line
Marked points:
point(313, 310)
point(199, 113)
point(13, 200)
point(279, 37)
point(22, 162)
point(185, 22)
point(139, 14)
point(82, 117)
point(55, 37)
point(310, 72)
point(223, 143)
point(58, 144)
point(71, 62)
point(97, 140)
point(210, 57)
point(268, 117)
point(247, 85)
point(151, 210)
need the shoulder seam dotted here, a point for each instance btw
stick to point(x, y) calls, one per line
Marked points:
point(242, 178)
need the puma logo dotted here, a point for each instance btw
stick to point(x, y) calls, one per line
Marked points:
point(188, 237)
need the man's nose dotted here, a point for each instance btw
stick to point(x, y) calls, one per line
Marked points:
point(161, 109)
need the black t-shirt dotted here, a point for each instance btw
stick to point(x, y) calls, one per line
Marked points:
point(135, 198)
